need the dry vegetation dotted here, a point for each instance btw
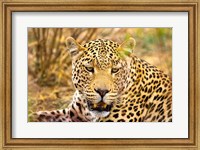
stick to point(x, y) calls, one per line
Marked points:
point(49, 64)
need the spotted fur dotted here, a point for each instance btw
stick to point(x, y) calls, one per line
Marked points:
point(113, 85)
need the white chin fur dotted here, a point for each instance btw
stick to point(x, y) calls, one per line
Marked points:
point(100, 114)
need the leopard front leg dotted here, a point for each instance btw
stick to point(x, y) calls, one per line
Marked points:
point(50, 116)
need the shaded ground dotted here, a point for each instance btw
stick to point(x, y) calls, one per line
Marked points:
point(42, 98)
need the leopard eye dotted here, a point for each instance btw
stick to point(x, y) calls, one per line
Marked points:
point(90, 69)
point(114, 70)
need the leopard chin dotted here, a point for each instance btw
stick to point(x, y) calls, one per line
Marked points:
point(100, 109)
point(100, 114)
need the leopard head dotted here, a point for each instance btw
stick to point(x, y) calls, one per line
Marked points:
point(100, 72)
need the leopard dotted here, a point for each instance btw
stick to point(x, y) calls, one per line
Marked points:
point(112, 84)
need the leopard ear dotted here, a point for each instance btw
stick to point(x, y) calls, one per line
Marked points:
point(73, 46)
point(126, 48)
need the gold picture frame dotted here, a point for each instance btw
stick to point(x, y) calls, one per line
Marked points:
point(9, 6)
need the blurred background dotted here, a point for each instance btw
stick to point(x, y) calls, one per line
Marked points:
point(49, 64)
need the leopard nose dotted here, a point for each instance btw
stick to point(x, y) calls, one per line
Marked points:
point(102, 92)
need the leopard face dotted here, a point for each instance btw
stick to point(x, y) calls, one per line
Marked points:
point(99, 73)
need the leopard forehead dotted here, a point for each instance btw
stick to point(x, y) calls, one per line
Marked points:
point(103, 51)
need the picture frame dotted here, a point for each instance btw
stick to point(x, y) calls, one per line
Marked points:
point(8, 7)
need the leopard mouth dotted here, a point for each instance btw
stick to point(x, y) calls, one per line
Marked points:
point(101, 106)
